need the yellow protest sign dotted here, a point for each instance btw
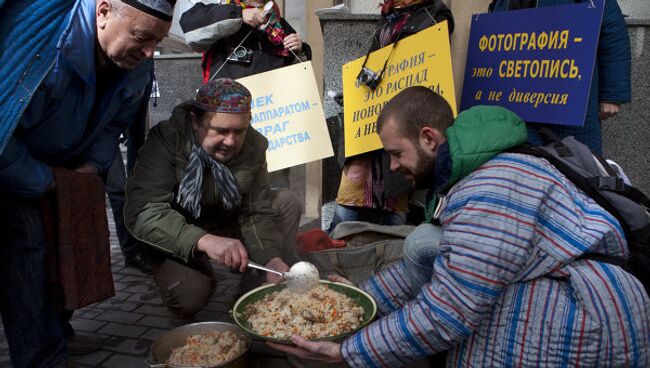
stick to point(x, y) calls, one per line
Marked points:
point(423, 59)
point(289, 115)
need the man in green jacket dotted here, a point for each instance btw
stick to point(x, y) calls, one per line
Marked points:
point(200, 192)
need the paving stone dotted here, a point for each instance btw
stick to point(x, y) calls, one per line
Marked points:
point(130, 271)
point(87, 313)
point(131, 278)
point(121, 295)
point(127, 346)
point(92, 359)
point(118, 329)
point(115, 257)
point(140, 289)
point(120, 286)
point(86, 325)
point(155, 310)
point(153, 334)
point(123, 361)
point(155, 321)
point(149, 298)
point(118, 305)
point(119, 317)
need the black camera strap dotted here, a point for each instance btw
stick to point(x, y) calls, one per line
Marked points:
point(383, 69)
point(231, 53)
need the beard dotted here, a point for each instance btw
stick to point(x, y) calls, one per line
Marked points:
point(423, 172)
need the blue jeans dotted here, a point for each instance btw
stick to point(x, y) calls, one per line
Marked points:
point(32, 326)
point(348, 213)
point(421, 248)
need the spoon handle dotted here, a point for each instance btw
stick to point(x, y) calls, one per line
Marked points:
point(260, 267)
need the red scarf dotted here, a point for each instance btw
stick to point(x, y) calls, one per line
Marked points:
point(390, 5)
point(274, 31)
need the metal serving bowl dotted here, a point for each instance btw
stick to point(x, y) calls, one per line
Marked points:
point(162, 348)
point(362, 298)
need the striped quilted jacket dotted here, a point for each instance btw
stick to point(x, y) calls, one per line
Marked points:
point(508, 288)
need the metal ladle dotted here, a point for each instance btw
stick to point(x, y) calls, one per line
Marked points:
point(302, 276)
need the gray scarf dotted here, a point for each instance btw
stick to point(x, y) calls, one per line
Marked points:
point(189, 191)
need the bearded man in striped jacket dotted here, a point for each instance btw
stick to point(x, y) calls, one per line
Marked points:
point(501, 281)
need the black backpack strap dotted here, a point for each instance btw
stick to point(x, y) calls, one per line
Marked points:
point(611, 183)
point(636, 195)
point(578, 180)
point(548, 136)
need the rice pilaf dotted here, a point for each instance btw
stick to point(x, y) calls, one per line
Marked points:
point(208, 349)
point(321, 312)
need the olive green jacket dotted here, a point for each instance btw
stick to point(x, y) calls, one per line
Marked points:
point(152, 214)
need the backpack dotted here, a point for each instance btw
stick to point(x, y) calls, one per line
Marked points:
point(598, 179)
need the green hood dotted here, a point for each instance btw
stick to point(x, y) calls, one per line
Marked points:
point(480, 133)
point(476, 136)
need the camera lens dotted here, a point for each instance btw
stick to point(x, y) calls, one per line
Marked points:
point(240, 52)
point(363, 78)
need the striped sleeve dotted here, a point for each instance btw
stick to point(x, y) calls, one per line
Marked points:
point(390, 288)
point(484, 246)
point(507, 226)
point(204, 24)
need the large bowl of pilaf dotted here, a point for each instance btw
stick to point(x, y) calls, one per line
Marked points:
point(331, 311)
point(204, 345)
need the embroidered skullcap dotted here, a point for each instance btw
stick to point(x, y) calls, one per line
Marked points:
point(162, 9)
point(223, 95)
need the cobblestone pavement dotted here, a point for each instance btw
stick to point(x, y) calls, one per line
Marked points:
point(132, 319)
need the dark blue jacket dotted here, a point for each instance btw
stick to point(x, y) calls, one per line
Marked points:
point(611, 78)
point(46, 103)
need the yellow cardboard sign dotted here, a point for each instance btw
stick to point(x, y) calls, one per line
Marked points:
point(423, 59)
point(287, 110)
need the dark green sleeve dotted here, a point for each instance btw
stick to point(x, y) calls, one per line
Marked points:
point(259, 226)
point(148, 213)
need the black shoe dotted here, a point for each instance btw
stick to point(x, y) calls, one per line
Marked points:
point(138, 262)
point(84, 344)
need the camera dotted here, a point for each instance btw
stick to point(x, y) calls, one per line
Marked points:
point(369, 78)
point(241, 55)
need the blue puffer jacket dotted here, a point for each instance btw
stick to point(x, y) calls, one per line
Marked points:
point(611, 78)
point(46, 112)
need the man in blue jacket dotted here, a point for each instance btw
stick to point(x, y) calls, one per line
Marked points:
point(74, 75)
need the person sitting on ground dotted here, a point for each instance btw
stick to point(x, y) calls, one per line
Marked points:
point(502, 282)
point(199, 192)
